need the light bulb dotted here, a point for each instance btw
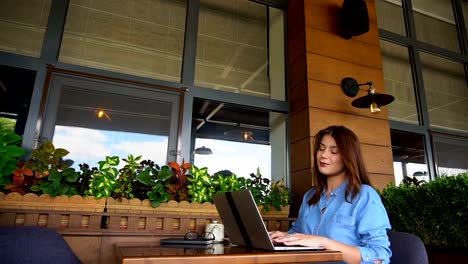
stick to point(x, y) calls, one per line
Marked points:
point(246, 135)
point(374, 108)
point(100, 113)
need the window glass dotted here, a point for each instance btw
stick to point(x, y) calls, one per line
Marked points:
point(93, 120)
point(409, 156)
point(451, 153)
point(399, 82)
point(446, 92)
point(390, 16)
point(464, 5)
point(233, 52)
point(143, 38)
point(22, 25)
point(16, 87)
point(435, 23)
point(241, 139)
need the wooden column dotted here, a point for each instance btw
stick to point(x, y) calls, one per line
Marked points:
point(318, 59)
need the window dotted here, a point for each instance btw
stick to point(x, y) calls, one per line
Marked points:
point(429, 61)
point(22, 25)
point(94, 119)
point(409, 155)
point(16, 87)
point(240, 48)
point(399, 82)
point(435, 23)
point(143, 38)
point(390, 13)
point(241, 139)
point(446, 92)
point(450, 154)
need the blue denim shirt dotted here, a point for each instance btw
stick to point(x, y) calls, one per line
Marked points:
point(363, 223)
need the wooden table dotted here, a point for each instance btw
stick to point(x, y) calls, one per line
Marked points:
point(133, 253)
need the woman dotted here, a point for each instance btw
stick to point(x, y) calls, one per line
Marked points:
point(342, 212)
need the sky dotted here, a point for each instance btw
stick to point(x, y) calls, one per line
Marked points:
point(91, 145)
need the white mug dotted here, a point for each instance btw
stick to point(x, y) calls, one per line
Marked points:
point(216, 229)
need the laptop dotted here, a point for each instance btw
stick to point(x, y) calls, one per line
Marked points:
point(243, 223)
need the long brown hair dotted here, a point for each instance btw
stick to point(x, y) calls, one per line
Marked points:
point(350, 150)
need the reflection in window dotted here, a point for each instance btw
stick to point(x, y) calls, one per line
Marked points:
point(390, 16)
point(143, 38)
point(16, 88)
point(241, 139)
point(435, 23)
point(399, 82)
point(233, 51)
point(451, 153)
point(446, 92)
point(409, 156)
point(93, 124)
point(23, 25)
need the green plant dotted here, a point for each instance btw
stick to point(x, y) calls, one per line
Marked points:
point(202, 186)
point(10, 152)
point(46, 172)
point(258, 186)
point(103, 182)
point(156, 178)
point(127, 185)
point(436, 211)
point(278, 196)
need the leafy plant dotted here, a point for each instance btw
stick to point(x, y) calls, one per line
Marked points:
point(103, 182)
point(258, 186)
point(278, 196)
point(202, 186)
point(436, 211)
point(156, 178)
point(46, 171)
point(10, 152)
point(127, 184)
point(177, 188)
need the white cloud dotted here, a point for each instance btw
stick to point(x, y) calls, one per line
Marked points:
point(240, 158)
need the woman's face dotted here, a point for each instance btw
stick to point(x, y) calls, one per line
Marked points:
point(329, 160)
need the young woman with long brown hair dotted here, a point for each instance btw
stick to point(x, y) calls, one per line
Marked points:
point(342, 211)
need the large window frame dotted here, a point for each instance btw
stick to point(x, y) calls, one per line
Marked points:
point(50, 53)
point(415, 47)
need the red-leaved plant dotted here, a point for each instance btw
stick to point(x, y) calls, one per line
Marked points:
point(177, 188)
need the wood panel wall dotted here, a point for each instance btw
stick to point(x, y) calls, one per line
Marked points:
point(318, 59)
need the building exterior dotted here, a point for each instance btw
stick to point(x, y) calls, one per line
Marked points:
point(162, 77)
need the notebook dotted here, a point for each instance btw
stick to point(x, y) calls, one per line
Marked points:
point(244, 224)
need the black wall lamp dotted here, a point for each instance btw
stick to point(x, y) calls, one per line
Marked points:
point(372, 100)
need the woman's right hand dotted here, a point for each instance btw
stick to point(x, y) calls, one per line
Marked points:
point(277, 234)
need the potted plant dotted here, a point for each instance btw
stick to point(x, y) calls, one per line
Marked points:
point(10, 153)
point(436, 212)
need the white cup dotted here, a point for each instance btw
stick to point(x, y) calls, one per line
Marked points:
point(217, 230)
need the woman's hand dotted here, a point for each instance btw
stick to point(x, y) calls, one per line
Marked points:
point(299, 239)
point(277, 234)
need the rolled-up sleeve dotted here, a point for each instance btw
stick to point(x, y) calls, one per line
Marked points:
point(372, 229)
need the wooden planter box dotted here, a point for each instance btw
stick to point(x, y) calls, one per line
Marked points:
point(92, 228)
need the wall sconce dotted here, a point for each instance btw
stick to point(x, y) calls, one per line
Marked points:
point(203, 151)
point(372, 100)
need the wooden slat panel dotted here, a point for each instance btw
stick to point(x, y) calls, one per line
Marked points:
point(7, 219)
point(297, 72)
point(300, 128)
point(300, 155)
point(53, 220)
point(378, 159)
point(369, 130)
point(331, 70)
point(114, 222)
point(133, 223)
point(75, 221)
point(30, 219)
point(331, 45)
point(324, 15)
point(330, 96)
point(151, 223)
point(95, 222)
point(298, 95)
